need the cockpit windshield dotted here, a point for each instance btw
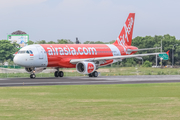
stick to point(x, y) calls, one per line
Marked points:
point(31, 52)
point(25, 52)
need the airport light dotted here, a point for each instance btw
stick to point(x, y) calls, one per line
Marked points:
point(156, 51)
point(172, 54)
point(156, 56)
point(161, 52)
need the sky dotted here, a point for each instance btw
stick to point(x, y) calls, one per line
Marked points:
point(89, 20)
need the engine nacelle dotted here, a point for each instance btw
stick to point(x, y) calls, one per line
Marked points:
point(85, 67)
point(37, 70)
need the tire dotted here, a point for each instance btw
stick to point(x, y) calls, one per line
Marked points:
point(56, 74)
point(32, 76)
point(61, 74)
point(90, 75)
point(95, 74)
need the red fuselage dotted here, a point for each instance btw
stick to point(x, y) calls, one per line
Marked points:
point(59, 55)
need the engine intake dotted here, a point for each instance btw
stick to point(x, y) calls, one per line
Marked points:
point(85, 67)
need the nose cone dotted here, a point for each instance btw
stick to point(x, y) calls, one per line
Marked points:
point(19, 60)
point(15, 60)
point(22, 60)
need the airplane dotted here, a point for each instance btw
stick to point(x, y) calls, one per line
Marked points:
point(86, 58)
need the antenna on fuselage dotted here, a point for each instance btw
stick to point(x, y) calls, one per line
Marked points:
point(77, 41)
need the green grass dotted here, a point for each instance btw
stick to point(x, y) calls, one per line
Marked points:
point(137, 102)
point(27, 75)
point(114, 71)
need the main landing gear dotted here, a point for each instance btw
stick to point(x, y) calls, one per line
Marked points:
point(94, 74)
point(32, 76)
point(58, 74)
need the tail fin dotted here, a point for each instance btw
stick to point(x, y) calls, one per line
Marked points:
point(125, 37)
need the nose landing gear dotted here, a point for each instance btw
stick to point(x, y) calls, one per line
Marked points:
point(33, 76)
point(58, 74)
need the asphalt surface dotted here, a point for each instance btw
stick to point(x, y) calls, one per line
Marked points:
point(90, 81)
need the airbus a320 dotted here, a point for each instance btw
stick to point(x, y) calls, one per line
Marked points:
point(86, 58)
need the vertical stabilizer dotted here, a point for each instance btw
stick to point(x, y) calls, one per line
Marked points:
point(125, 37)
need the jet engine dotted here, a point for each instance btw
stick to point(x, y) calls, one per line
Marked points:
point(35, 70)
point(85, 67)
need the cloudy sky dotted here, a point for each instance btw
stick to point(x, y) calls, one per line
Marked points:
point(89, 20)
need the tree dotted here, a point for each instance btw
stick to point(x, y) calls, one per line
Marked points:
point(30, 42)
point(7, 49)
point(92, 42)
point(41, 42)
point(152, 42)
point(86, 42)
point(147, 64)
point(98, 42)
point(51, 42)
point(64, 41)
point(112, 41)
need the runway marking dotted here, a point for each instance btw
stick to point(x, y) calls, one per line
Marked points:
point(4, 79)
point(79, 82)
point(133, 79)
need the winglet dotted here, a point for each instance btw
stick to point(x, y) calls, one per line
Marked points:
point(167, 52)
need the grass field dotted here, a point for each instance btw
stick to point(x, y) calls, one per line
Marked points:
point(111, 71)
point(131, 101)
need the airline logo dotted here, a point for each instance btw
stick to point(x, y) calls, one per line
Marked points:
point(125, 37)
point(71, 50)
point(126, 32)
point(90, 68)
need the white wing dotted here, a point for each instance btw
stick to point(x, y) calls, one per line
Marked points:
point(74, 61)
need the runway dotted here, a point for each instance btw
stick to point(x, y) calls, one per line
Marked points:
point(90, 81)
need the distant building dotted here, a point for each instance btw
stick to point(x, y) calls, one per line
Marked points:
point(18, 32)
point(20, 37)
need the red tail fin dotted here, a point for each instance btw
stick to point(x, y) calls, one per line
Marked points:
point(125, 36)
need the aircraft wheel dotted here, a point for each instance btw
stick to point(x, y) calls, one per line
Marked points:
point(90, 75)
point(56, 74)
point(95, 74)
point(32, 76)
point(61, 74)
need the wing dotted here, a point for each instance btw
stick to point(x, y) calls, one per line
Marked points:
point(74, 61)
point(129, 50)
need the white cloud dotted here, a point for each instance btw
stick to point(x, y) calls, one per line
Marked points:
point(15, 3)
